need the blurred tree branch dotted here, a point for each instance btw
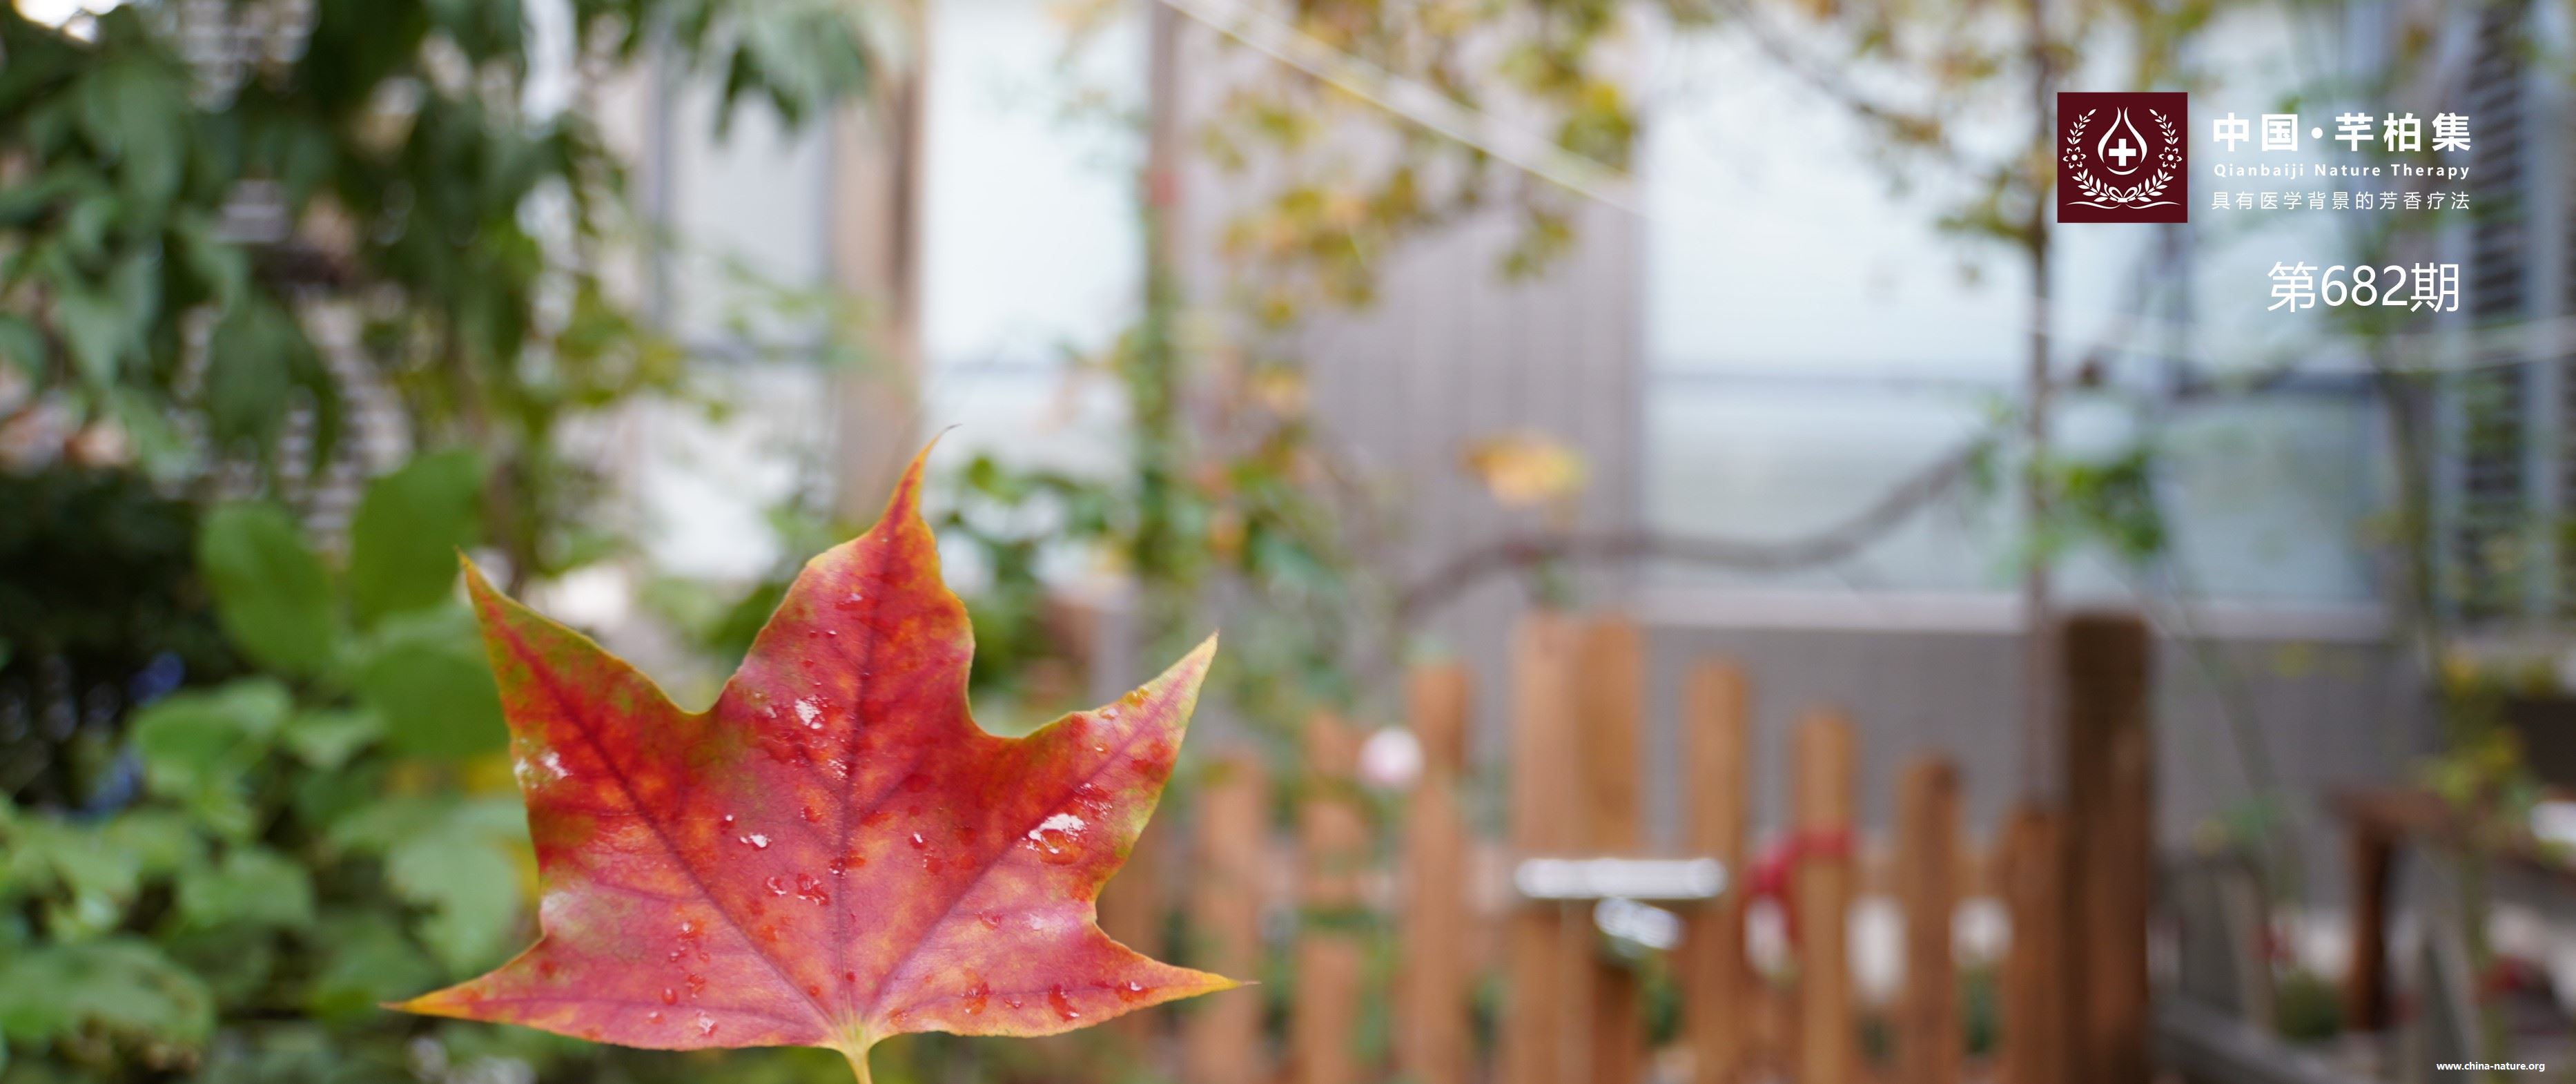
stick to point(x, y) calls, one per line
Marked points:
point(1516, 553)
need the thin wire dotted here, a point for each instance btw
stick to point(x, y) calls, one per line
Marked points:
point(1412, 101)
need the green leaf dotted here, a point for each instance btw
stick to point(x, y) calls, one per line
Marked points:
point(408, 529)
point(328, 796)
point(252, 885)
point(270, 590)
point(459, 859)
point(123, 986)
point(159, 841)
point(246, 378)
point(22, 346)
point(103, 322)
point(94, 330)
point(30, 199)
point(470, 883)
point(135, 110)
point(136, 285)
point(375, 827)
point(196, 747)
point(327, 739)
point(366, 960)
point(85, 884)
point(89, 223)
point(236, 963)
point(165, 453)
point(425, 674)
point(222, 269)
point(256, 359)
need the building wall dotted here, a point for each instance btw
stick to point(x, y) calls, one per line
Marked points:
point(1450, 354)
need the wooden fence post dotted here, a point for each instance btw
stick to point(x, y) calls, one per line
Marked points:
point(1334, 834)
point(1435, 984)
point(1716, 982)
point(1222, 1035)
point(2032, 868)
point(2111, 853)
point(1828, 1042)
point(1611, 711)
point(1546, 945)
point(1928, 1041)
point(2373, 861)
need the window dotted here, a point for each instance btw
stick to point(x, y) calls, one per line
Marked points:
point(1032, 250)
point(1030, 253)
point(1813, 342)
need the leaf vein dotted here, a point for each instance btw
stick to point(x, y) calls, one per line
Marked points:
point(616, 772)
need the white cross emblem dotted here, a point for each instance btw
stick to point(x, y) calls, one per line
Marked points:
point(2123, 152)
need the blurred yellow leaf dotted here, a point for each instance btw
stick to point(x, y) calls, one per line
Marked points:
point(2459, 668)
point(1526, 469)
point(1280, 389)
point(1345, 209)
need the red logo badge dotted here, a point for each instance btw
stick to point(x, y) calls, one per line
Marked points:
point(2123, 157)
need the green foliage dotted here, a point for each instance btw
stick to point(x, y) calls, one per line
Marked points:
point(108, 191)
point(296, 848)
point(1011, 517)
point(251, 886)
point(389, 139)
point(426, 677)
point(265, 831)
point(797, 55)
point(256, 360)
point(99, 995)
point(2110, 502)
point(1250, 530)
point(222, 885)
point(459, 859)
point(197, 748)
point(270, 588)
point(403, 544)
point(389, 632)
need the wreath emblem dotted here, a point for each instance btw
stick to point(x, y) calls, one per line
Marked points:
point(2140, 196)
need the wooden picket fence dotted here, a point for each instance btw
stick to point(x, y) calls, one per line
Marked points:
point(2072, 877)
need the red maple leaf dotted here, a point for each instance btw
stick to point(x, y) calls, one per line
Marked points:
point(832, 854)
